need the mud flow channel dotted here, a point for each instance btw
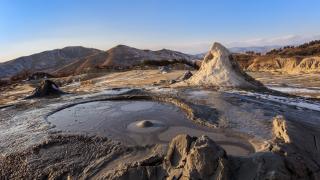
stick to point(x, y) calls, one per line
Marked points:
point(138, 122)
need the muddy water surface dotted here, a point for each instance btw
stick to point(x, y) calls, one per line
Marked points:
point(117, 119)
point(252, 113)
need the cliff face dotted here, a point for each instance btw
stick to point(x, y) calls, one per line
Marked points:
point(304, 58)
point(291, 65)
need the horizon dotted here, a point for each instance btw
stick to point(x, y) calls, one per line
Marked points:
point(34, 26)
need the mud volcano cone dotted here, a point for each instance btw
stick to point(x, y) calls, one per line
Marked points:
point(219, 69)
point(46, 88)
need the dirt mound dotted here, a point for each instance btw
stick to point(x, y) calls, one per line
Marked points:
point(219, 69)
point(46, 88)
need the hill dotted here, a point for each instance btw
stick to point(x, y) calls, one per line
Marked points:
point(124, 57)
point(45, 61)
point(77, 60)
point(311, 48)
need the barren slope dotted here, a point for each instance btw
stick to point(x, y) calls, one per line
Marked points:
point(45, 61)
point(122, 57)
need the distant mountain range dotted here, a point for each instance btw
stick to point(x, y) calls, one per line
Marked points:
point(257, 49)
point(77, 59)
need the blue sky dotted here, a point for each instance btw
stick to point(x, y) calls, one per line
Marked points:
point(30, 26)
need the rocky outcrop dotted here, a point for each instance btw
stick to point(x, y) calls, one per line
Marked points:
point(187, 158)
point(45, 89)
point(219, 69)
point(195, 158)
point(298, 143)
point(280, 129)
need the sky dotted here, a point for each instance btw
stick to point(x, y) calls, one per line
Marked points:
point(191, 26)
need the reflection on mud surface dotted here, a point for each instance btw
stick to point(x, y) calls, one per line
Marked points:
point(252, 113)
point(117, 120)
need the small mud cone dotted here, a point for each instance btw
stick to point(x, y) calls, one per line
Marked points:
point(46, 88)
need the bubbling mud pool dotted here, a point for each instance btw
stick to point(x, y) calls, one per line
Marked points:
point(138, 122)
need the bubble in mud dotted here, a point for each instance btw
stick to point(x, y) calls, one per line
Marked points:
point(144, 124)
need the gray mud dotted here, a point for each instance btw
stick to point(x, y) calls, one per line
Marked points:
point(116, 120)
point(61, 157)
point(249, 114)
point(36, 140)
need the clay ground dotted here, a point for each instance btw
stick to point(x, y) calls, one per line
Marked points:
point(242, 120)
point(307, 85)
point(303, 84)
